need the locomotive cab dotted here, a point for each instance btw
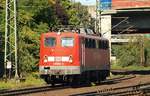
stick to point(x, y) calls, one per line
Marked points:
point(59, 54)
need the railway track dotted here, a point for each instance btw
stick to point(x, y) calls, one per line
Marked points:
point(31, 90)
point(135, 90)
point(140, 89)
point(118, 79)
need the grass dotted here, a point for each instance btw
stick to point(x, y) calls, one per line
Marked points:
point(137, 68)
point(34, 80)
point(30, 80)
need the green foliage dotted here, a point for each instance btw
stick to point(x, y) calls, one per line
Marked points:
point(36, 17)
point(30, 80)
point(127, 54)
point(147, 51)
point(2, 23)
point(79, 15)
point(130, 54)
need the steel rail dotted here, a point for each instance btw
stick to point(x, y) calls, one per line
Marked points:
point(127, 92)
point(118, 79)
point(140, 89)
point(31, 90)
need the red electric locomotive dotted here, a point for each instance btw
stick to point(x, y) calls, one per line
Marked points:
point(73, 57)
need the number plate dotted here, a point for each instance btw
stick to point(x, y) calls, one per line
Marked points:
point(58, 59)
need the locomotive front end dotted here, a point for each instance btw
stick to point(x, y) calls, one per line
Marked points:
point(58, 54)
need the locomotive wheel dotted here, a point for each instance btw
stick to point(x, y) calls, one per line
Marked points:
point(98, 77)
point(75, 80)
point(103, 77)
point(66, 80)
point(88, 81)
point(47, 79)
point(70, 80)
point(52, 81)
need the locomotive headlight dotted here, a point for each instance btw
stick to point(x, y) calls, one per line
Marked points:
point(59, 33)
point(70, 59)
point(45, 58)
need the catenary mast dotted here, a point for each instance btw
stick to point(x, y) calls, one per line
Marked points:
point(10, 56)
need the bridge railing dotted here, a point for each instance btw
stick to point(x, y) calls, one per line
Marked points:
point(124, 38)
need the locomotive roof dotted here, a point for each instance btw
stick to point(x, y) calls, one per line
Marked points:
point(77, 34)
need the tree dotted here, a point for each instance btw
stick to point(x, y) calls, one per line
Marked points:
point(39, 16)
point(130, 54)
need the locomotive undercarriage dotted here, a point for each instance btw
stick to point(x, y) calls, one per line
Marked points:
point(95, 76)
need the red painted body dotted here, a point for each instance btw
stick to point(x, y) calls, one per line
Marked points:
point(74, 60)
point(58, 50)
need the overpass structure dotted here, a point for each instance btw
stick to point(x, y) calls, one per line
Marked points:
point(124, 17)
point(120, 20)
point(119, 39)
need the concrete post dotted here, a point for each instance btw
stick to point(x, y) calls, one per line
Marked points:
point(106, 29)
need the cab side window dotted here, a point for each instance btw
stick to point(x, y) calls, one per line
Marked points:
point(103, 44)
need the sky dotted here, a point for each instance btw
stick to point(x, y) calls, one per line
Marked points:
point(87, 2)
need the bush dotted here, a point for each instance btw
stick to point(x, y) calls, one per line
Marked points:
point(130, 54)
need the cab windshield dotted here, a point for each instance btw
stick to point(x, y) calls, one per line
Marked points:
point(67, 42)
point(50, 41)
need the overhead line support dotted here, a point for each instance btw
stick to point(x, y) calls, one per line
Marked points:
point(10, 56)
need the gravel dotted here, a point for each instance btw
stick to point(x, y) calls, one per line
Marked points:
point(139, 79)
